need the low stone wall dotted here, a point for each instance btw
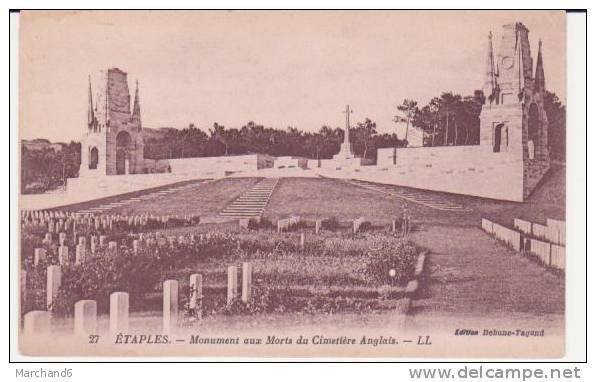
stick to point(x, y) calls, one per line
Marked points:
point(151, 166)
point(557, 256)
point(341, 164)
point(556, 231)
point(286, 162)
point(540, 231)
point(214, 166)
point(487, 226)
point(553, 231)
point(511, 237)
point(540, 249)
point(523, 226)
point(549, 254)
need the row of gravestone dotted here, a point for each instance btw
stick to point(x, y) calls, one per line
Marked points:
point(85, 248)
point(38, 322)
point(82, 250)
point(45, 216)
point(550, 254)
point(287, 224)
point(106, 222)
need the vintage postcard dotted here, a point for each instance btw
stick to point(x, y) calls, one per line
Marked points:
point(292, 184)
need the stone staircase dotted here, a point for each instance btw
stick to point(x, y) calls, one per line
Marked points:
point(424, 198)
point(252, 203)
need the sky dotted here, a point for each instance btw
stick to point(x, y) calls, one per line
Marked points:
point(278, 69)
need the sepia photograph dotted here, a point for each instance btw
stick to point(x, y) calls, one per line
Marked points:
point(371, 184)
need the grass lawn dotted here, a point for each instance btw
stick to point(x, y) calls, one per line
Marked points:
point(469, 273)
point(205, 200)
point(311, 198)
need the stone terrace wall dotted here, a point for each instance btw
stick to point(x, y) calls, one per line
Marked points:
point(469, 170)
point(216, 166)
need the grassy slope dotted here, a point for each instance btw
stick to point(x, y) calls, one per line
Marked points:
point(471, 273)
point(206, 199)
point(96, 202)
point(315, 197)
point(312, 198)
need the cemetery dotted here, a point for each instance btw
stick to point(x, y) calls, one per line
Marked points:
point(76, 268)
point(316, 247)
point(424, 235)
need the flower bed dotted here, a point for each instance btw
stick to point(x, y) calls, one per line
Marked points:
point(334, 271)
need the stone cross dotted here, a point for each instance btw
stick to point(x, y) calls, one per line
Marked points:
point(348, 111)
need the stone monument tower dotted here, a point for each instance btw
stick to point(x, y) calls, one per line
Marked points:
point(112, 143)
point(513, 123)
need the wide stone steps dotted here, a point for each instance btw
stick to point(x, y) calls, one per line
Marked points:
point(252, 203)
point(102, 208)
point(422, 198)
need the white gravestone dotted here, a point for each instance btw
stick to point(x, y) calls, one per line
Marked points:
point(246, 282)
point(54, 280)
point(170, 305)
point(118, 312)
point(85, 317)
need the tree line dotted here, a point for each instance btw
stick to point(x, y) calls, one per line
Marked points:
point(452, 120)
point(447, 120)
point(255, 138)
point(45, 166)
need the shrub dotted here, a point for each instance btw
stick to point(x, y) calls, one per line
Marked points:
point(392, 266)
point(365, 226)
point(35, 289)
point(330, 224)
point(108, 272)
point(264, 223)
